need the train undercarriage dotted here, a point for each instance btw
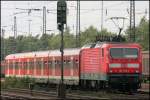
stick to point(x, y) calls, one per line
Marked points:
point(125, 82)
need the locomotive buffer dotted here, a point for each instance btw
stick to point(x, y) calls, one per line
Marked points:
point(61, 20)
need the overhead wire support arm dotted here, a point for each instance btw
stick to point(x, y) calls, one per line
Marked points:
point(29, 10)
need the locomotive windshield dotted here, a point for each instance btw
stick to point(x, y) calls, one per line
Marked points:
point(124, 52)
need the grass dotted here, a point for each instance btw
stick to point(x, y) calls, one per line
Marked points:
point(14, 82)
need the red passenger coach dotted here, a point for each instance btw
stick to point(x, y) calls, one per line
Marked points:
point(95, 65)
point(44, 66)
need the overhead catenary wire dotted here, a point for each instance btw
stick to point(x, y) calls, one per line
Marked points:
point(86, 10)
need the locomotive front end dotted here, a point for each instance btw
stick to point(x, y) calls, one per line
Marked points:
point(125, 66)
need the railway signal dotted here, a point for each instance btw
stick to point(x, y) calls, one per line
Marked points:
point(61, 20)
point(61, 11)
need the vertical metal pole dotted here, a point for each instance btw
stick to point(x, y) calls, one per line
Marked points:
point(132, 21)
point(62, 55)
point(61, 88)
point(79, 23)
point(2, 44)
point(15, 27)
point(44, 20)
point(102, 16)
point(29, 27)
point(15, 35)
point(77, 26)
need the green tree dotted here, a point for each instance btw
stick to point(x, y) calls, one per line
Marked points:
point(141, 33)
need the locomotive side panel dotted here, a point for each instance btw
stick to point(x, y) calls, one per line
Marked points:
point(91, 65)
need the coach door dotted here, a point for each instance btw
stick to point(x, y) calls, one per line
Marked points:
point(66, 66)
point(39, 68)
point(45, 67)
point(50, 64)
point(57, 66)
point(76, 66)
point(31, 67)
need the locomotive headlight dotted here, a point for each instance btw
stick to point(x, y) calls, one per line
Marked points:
point(133, 65)
point(115, 65)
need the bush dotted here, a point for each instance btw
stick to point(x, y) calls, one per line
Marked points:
point(14, 82)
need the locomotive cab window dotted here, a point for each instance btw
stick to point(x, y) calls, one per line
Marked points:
point(124, 52)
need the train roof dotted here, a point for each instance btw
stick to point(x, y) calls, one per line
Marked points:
point(99, 44)
point(71, 51)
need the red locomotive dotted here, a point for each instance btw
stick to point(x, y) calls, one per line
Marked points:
point(95, 65)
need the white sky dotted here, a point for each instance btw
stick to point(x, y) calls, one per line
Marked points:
point(90, 15)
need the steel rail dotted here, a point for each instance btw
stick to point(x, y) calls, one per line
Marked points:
point(48, 94)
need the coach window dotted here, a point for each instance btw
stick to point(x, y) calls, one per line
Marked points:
point(16, 65)
point(68, 61)
point(49, 64)
point(56, 61)
point(30, 65)
point(64, 61)
point(102, 52)
point(77, 61)
point(38, 65)
point(25, 65)
point(9, 65)
point(42, 64)
point(45, 62)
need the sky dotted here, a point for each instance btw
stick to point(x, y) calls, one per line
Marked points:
point(90, 15)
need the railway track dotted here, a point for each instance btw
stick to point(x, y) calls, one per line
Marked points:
point(20, 94)
point(16, 93)
point(25, 94)
point(51, 93)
